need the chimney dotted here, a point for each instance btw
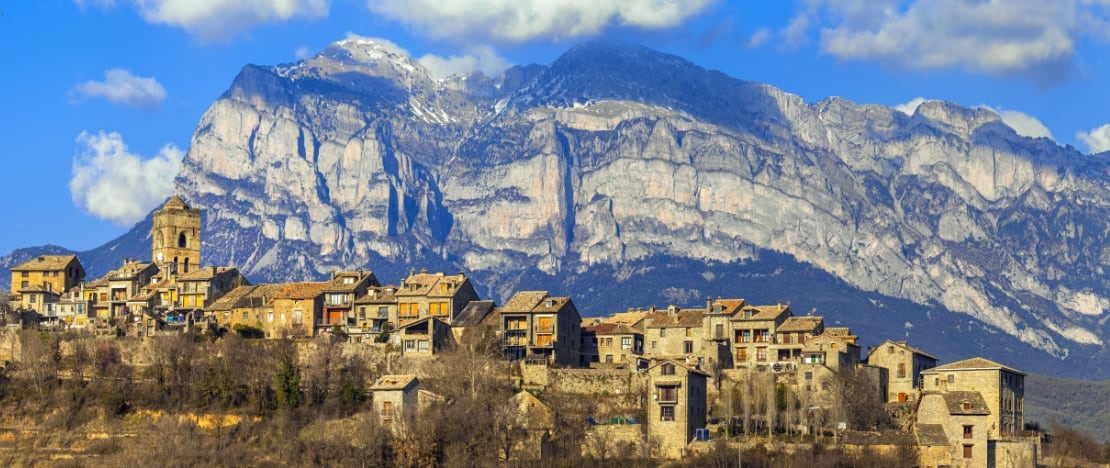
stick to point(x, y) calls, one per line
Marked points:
point(708, 304)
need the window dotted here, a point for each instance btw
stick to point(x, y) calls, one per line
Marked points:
point(746, 336)
point(652, 344)
point(423, 345)
point(182, 242)
point(543, 340)
point(742, 354)
point(668, 393)
point(383, 312)
point(609, 358)
point(668, 369)
point(687, 347)
point(969, 431)
point(890, 350)
point(787, 338)
point(809, 375)
point(719, 331)
point(666, 413)
point(626, 342)
point(951, 378)
point(410, 345)
point(662, 332)
point(348, 280)
point(901, 370)
point(689, 331)
point(34, 298)
point(967, 450)
point(760, 354)
point(387, 409)
point(270, 316)
point(25, 284)
point(298, 316)
point(246, 316)
point(362, 313)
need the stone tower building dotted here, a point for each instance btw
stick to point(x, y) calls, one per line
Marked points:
point(176, 237)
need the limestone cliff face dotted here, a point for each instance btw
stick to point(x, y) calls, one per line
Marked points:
point(616, 154)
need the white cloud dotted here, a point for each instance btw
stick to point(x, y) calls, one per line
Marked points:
point(1097, 139)
point(1024, 124)
point(483, 59)
point(522, 20)
point(121, 87)
point(1001, 37)
point(302, 52)
point(111, 183)
point(910, 107)
point(759, 37)
point(216, 20)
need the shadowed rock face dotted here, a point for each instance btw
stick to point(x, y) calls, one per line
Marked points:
point(616, 155)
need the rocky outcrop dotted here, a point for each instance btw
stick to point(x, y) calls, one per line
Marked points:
point(616, 154)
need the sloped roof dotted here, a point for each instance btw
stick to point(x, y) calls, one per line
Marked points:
point(473, 314)
point(678, 363)
point(975, 363)
point(761, 312)
point(38, 288)
point(46, 263)
point(931, 434)
point(537, 414)
point(523, 301)
point(427, 284)
point(300, 290)
point(394, 382)
point(261, 296)
point(606, 328)
point(204, 274)
point(907, 346)
point(627, 318)
point(378, 295)
point(682, 318)
point(955, 401)
point(800, 324)
point(728, 306)
point(336, 284)
point(227, 301)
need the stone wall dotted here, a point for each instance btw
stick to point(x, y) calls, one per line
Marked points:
point(609, 440)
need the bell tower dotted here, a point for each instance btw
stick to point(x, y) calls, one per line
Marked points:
point(175, 238)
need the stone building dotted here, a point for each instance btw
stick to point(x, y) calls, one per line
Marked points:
point(754, 330)
point(296, 306)
point(965, 419)
point(475, 321)
point(1002, 388)
point(396, 398)
point(377, 312)
point(246, 306)
point(836, 351)
point(674, 332)
point(433, 295)
point(677, 406)
point(792, 335)
point(904, 364)
point(339, 311)
point(43, 279)
point(538, 326)
point(612, 344)
point(424, 337)
point(175, 237)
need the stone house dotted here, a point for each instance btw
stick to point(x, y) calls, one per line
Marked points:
point(477, 319)
point(202, 286)
point(792, 335)
point(396, 399)
point(433, 295)
point(753, 333)
point(296, 306)
point(121, 285)
point(43, 279)
point(674, 332)
point(965, 419)
point(612, 344)
point(376, 312)
point(72, 309)
point(339, 301)
point(245, 306)
point(540, 327)
point(535, 423)
point(835, 351)
point(677, 406)
point(424, 337)
point(1002, 388)
point(904, 364)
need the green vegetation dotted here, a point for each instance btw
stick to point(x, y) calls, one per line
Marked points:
point(1078, 404)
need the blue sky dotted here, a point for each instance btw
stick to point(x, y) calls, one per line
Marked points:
point(101, 96)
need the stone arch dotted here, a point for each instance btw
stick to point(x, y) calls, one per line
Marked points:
point(182, 240)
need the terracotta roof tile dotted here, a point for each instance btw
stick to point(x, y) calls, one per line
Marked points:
point(523, 301)
point(378, 295)
point(800, 324)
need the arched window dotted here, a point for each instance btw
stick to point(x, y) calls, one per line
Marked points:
point(174, 270)
point(186, 264)
point(668, 369)
point(181, 241)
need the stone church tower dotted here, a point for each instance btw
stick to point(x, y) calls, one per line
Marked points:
point(176, 238)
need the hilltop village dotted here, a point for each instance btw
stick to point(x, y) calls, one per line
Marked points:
point(670, 382)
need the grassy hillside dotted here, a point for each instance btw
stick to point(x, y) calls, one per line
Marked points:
point(1079, 404)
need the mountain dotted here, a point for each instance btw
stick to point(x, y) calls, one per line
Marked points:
point(628, 177)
